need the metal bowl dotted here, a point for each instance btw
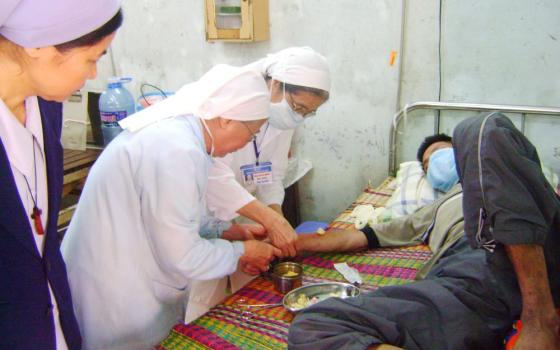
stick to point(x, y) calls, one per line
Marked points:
point(286, 276)
point(313, 293)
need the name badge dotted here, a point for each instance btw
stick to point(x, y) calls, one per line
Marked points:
point(257, 174)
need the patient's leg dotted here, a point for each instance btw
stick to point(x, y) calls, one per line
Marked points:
point(457, 307)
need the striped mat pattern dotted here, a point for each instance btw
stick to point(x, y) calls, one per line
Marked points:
point(374, 196)
point(230, 325)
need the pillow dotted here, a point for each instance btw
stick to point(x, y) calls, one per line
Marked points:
point(412, 192)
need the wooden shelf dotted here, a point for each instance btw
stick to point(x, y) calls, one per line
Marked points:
point(254, 23)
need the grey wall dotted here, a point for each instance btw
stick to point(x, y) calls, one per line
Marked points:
point(499, 51)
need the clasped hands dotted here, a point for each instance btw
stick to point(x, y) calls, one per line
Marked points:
point(262, 245)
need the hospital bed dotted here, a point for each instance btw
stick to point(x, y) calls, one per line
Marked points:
point(229, 325)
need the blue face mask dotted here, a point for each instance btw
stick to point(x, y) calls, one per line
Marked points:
point(442, 171)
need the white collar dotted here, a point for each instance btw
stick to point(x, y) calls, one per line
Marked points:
point(266, 134)
point(17, 139)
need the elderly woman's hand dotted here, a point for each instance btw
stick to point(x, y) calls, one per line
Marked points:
point(282, 235)
point(258, 255)
point(244, 232)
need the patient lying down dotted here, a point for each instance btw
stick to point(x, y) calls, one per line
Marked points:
point(494, 241)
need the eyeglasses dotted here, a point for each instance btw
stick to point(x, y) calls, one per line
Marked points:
point(253, 134)
point(299, 109)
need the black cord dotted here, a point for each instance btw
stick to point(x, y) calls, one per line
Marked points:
point(152, 86)
point(439, 50)
point(36, 197)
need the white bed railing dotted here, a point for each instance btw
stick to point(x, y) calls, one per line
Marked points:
point(457, 106)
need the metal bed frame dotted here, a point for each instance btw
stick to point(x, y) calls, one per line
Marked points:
point(457, 106)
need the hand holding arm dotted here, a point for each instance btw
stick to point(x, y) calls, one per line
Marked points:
point(258, 255)
point(280, 232)
point(244, 232)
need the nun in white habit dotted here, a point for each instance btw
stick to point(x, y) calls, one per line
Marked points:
point(299, 81)
point(140, 234)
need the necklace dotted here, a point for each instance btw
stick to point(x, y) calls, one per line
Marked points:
point(36, 213)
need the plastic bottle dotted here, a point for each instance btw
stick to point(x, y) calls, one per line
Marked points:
point(115, 104)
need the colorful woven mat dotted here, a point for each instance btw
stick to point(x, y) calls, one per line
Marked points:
point(230, 325)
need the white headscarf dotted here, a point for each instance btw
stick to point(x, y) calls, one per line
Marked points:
point(40, 23)
point(225, 91)
point(301, 66)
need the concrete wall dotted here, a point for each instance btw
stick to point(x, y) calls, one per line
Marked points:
point(163, 42)
point(498, 51)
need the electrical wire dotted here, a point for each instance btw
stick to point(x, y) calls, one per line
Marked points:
point(439, 50)
point(143, 94)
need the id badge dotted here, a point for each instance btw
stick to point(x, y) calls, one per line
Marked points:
point(257, 174)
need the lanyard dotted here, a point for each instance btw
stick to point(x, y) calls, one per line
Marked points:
point(257, 153)
point(256, 148)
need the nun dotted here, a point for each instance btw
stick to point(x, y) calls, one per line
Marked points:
point(249, 182)
point(48, 49)
point(299, 82)
point(141, 234)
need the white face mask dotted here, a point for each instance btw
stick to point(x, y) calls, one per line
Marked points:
point(282, 116)
point(212, 149)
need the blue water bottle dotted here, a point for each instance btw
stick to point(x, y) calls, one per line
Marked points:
point(115, 104)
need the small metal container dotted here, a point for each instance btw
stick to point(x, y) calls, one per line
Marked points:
point(286, 276)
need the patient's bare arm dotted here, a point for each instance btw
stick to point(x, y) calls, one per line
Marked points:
point(332, 241)
point(540, 321)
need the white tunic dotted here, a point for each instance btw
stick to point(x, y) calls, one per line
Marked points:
point(18, 143)
point(133, 244)
point(227, 192)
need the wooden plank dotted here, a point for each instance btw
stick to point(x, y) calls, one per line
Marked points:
point(76, 165)
point(76, 175)
point(261, 27)
point(65, 215)
point(77, 159)
point(68, 187)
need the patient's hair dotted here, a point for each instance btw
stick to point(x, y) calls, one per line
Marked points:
point(428, 141)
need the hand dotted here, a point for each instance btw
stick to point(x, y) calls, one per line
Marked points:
point(259, 255)
point(282, 235)
point(280, 232)
point(244, 232)
point(249, 269)
point(539, 334)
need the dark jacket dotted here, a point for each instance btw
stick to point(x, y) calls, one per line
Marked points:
point(506, 192)
point(26, 317)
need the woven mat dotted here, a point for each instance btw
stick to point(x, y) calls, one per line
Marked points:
point(231, 326)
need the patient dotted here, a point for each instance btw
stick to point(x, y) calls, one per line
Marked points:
point(437, 150)
point(430, 145)
point(476, 284)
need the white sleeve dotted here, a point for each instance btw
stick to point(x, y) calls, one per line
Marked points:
point(171, 208)
point(276, 152)
point(211, 227)
point(224, 195)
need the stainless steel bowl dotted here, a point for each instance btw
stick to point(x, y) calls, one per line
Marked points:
point(318, 292)
point(282, 276)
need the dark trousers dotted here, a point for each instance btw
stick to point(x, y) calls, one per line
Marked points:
point(460, 305)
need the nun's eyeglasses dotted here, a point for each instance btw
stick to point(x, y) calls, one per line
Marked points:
point(253, 134)
point(300, 109)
